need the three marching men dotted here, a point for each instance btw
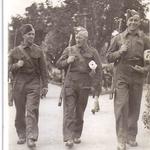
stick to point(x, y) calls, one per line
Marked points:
point(83, 77)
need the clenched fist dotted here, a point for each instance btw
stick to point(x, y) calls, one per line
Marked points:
point(70, 59)
point(43, 93)
point(139, 69)
point(123, 49)
point(20, 63)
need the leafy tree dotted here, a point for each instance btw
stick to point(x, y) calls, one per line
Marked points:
point(53, 25)
point(105, 16)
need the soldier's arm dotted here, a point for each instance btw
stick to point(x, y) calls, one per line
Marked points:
point(12, 66)
point(62, 61)
point(97, 80)
point(113, 53)
point(43, 71)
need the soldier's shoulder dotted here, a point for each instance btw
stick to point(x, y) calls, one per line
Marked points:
point(143, 35)
point(119, 36)
point(93, 50)
point(36, 47)
point(70, 48)
point(15, 52)
point(74, 47)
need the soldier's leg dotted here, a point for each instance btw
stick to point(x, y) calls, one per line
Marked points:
point(121, 111)
point(68, 114)
point(134, 110)
point(81, 104)
point(32, 110)
point(20, 103)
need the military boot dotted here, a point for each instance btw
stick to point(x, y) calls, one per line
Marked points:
point(77, 140)
point(69, 143)
point(21, 141)
point(31, 143)
point(132, 143)
point(121, 146)
point(96, 107)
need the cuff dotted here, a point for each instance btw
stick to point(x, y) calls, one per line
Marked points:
point(15, 66)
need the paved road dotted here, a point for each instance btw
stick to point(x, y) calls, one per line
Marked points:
point(98, 133)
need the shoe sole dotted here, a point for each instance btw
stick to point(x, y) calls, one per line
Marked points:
point(118, 148)
point(31, 146)
point(135, 145)
point(69, 146)
point(77, 142)
point(21, 142)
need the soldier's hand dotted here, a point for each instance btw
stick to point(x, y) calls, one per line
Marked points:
point(20, 63)
point(70, 59)
point(123, 49)
point(138, 69)
point(43, 92)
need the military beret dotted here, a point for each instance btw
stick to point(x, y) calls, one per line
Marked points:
point(81, 31)
point(26, 28)
point(78, 29)
point(83, 34)
point(131, 13)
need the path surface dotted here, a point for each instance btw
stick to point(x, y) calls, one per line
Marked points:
point(98, 132)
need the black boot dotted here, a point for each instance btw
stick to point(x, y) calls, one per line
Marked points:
point(31, 143)
point(21, 141)
point(69, 143)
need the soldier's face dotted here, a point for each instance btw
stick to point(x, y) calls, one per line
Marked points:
point(133, 23)
point(29, 37)
point(80, 40)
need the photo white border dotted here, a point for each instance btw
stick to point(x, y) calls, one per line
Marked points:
point(1, 76)
point(5, 75)
point(4, 113)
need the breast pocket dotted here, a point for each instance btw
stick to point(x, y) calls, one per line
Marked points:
point(139, 42)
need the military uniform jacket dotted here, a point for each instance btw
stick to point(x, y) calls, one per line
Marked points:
point(80, 70)
point(136, 44)
point(31, 69)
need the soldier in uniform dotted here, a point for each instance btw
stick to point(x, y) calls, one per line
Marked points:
point(127, 52)
point(84, 74)
point(27, 64)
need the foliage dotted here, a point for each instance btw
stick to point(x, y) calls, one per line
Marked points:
point(105, 16)
point(53, 25)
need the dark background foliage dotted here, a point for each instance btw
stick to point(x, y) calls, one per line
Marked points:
point(53, 25)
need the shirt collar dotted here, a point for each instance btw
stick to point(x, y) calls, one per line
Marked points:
point(25, 45)
point(127, 32)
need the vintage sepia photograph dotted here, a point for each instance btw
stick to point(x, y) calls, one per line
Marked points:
point(77, 75)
